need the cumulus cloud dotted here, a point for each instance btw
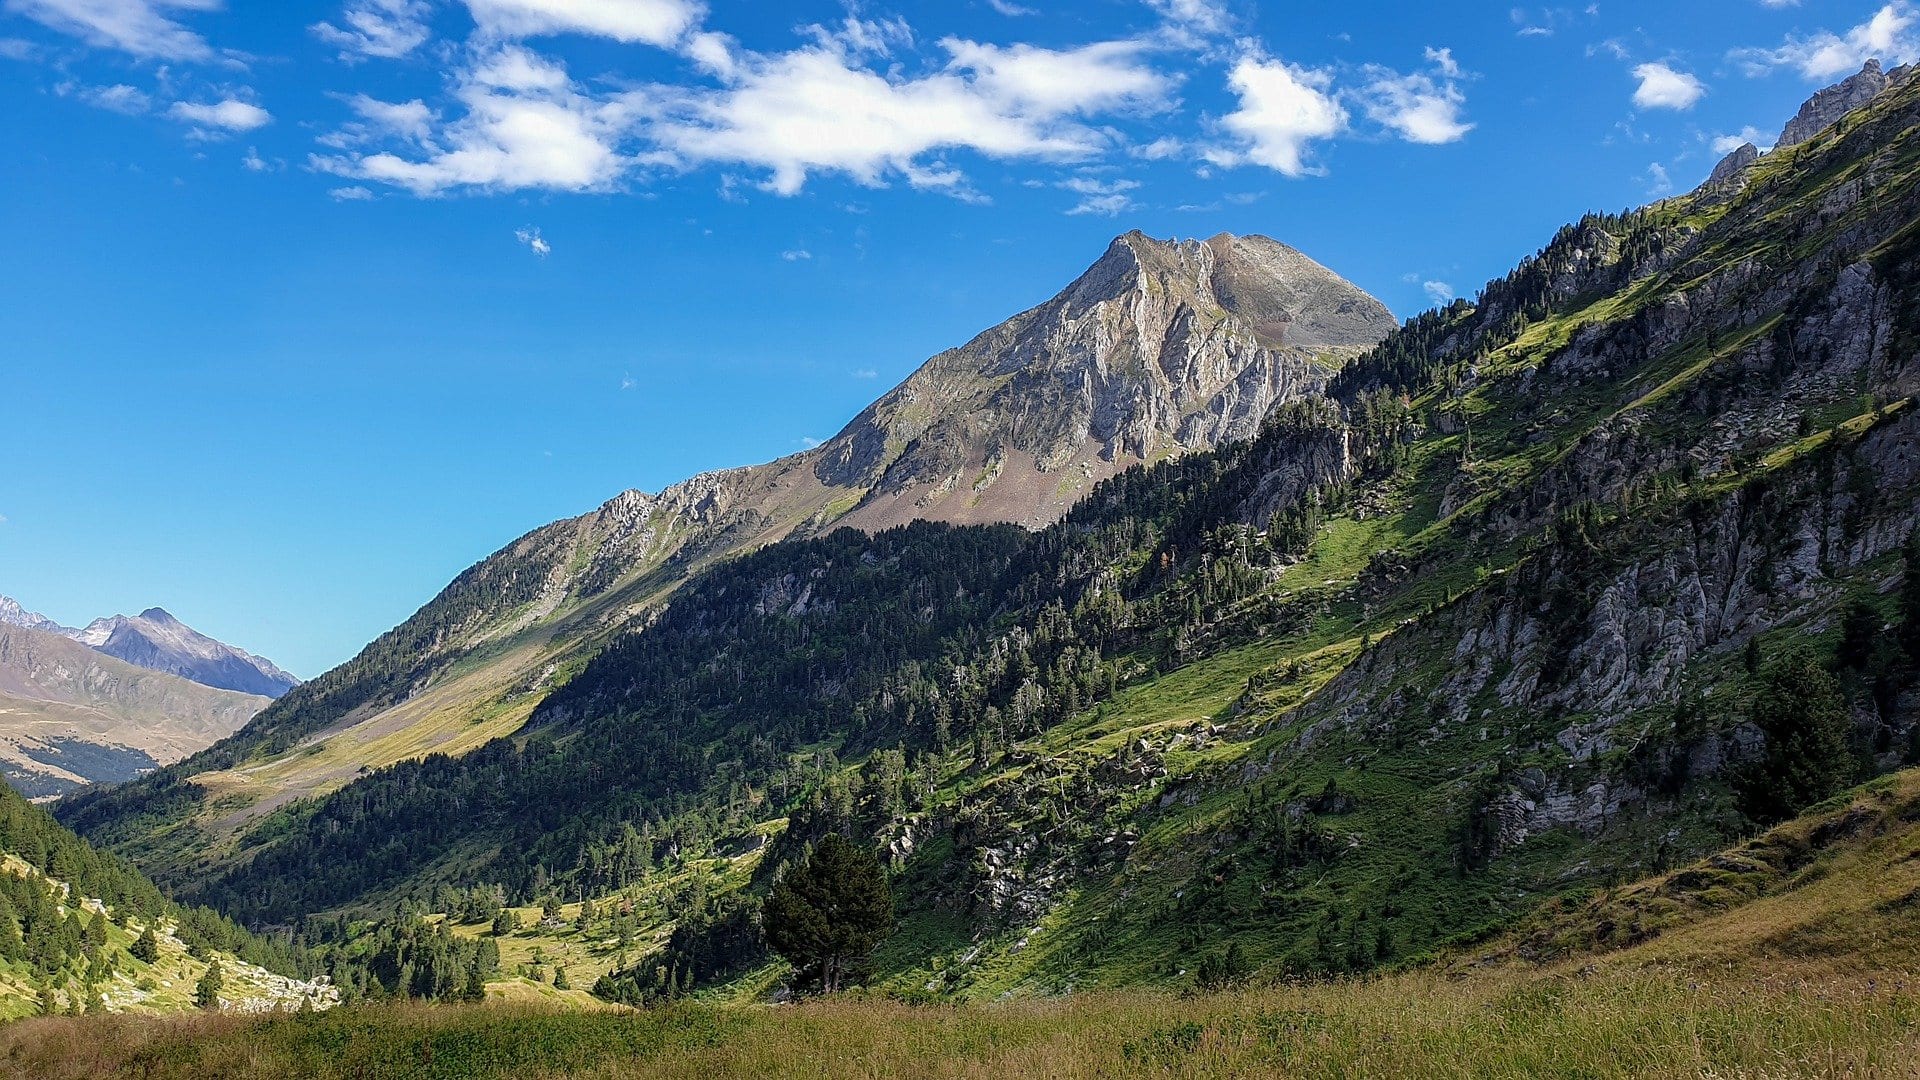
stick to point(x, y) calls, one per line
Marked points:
point(142, 28)
point(1439, 292)
point(525, 125)
point(523, 122)
point(649, 22)
point(1423, 107)
point(388, 29)
point(119, 97)
point(1195, 16)
point(1104, 197)
point(1661, 87)
point(1888, 35)
point(1283, 109)
point(228, 115)
point(535, 243)
point(1727, 144)
point(816, 109)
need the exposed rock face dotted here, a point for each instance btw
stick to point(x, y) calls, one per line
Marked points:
point(1160, 348)
point(70, 715)
point(1733, 168)
point(1826, 108)
point(156, 640)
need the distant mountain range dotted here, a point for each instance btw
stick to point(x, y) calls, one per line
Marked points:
point(120, 697)
point(157, 641)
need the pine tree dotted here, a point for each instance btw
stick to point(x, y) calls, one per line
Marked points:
point(830, 911)
point(1802, 713)
point(146, 947)
point(206, 993)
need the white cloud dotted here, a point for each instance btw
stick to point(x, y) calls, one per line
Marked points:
point(797, 255)
point(1727, 144)
point(1010, 10)
point(628, 382)
point(227, 115)
point(536, 243)
point(1108, 198)
point(409, 120)
point(15, 49)
point(1198, 16)
point(651, 22)
point(1283, 110)
point(525, 126)
point(810, 442)
point(253, 162)
point(384, 28)
point(137, 27)
point(119, 97)
point(1439, 292)
point(864, 373)
point(1658, 182)
point(351, 194)
point(817, 110)
point(1167, 146)
point(1420, 107)
point(1661, 87)
point(1888, 35)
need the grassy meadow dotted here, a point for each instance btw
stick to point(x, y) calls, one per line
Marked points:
point(1606, 1022)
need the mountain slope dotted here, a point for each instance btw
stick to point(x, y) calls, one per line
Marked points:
point(71, 716)
point(1161, 349)
point(157, 641)
point(1497, 619)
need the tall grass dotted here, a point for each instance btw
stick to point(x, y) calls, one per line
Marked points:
point(1642, 1022)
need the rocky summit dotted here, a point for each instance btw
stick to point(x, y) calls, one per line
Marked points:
point(1161, 348)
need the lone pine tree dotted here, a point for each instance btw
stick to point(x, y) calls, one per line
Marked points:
point(1801, 711)
point(830, 911)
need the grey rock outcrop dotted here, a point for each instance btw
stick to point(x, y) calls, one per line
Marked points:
point(1731, 174)
point(1825, 108)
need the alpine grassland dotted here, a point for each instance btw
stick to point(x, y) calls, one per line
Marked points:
point(1792, 954)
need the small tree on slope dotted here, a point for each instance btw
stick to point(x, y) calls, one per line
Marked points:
point(829, 912)
point(1801, 711)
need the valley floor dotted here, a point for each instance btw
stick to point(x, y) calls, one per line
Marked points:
point(1795, 954)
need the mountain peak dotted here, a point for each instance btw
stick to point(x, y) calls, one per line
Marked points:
point(13, 614)
point(1158, 348)
point(156, 640)
point(1827, 107)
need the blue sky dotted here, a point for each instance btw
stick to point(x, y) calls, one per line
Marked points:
point(309, 305)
